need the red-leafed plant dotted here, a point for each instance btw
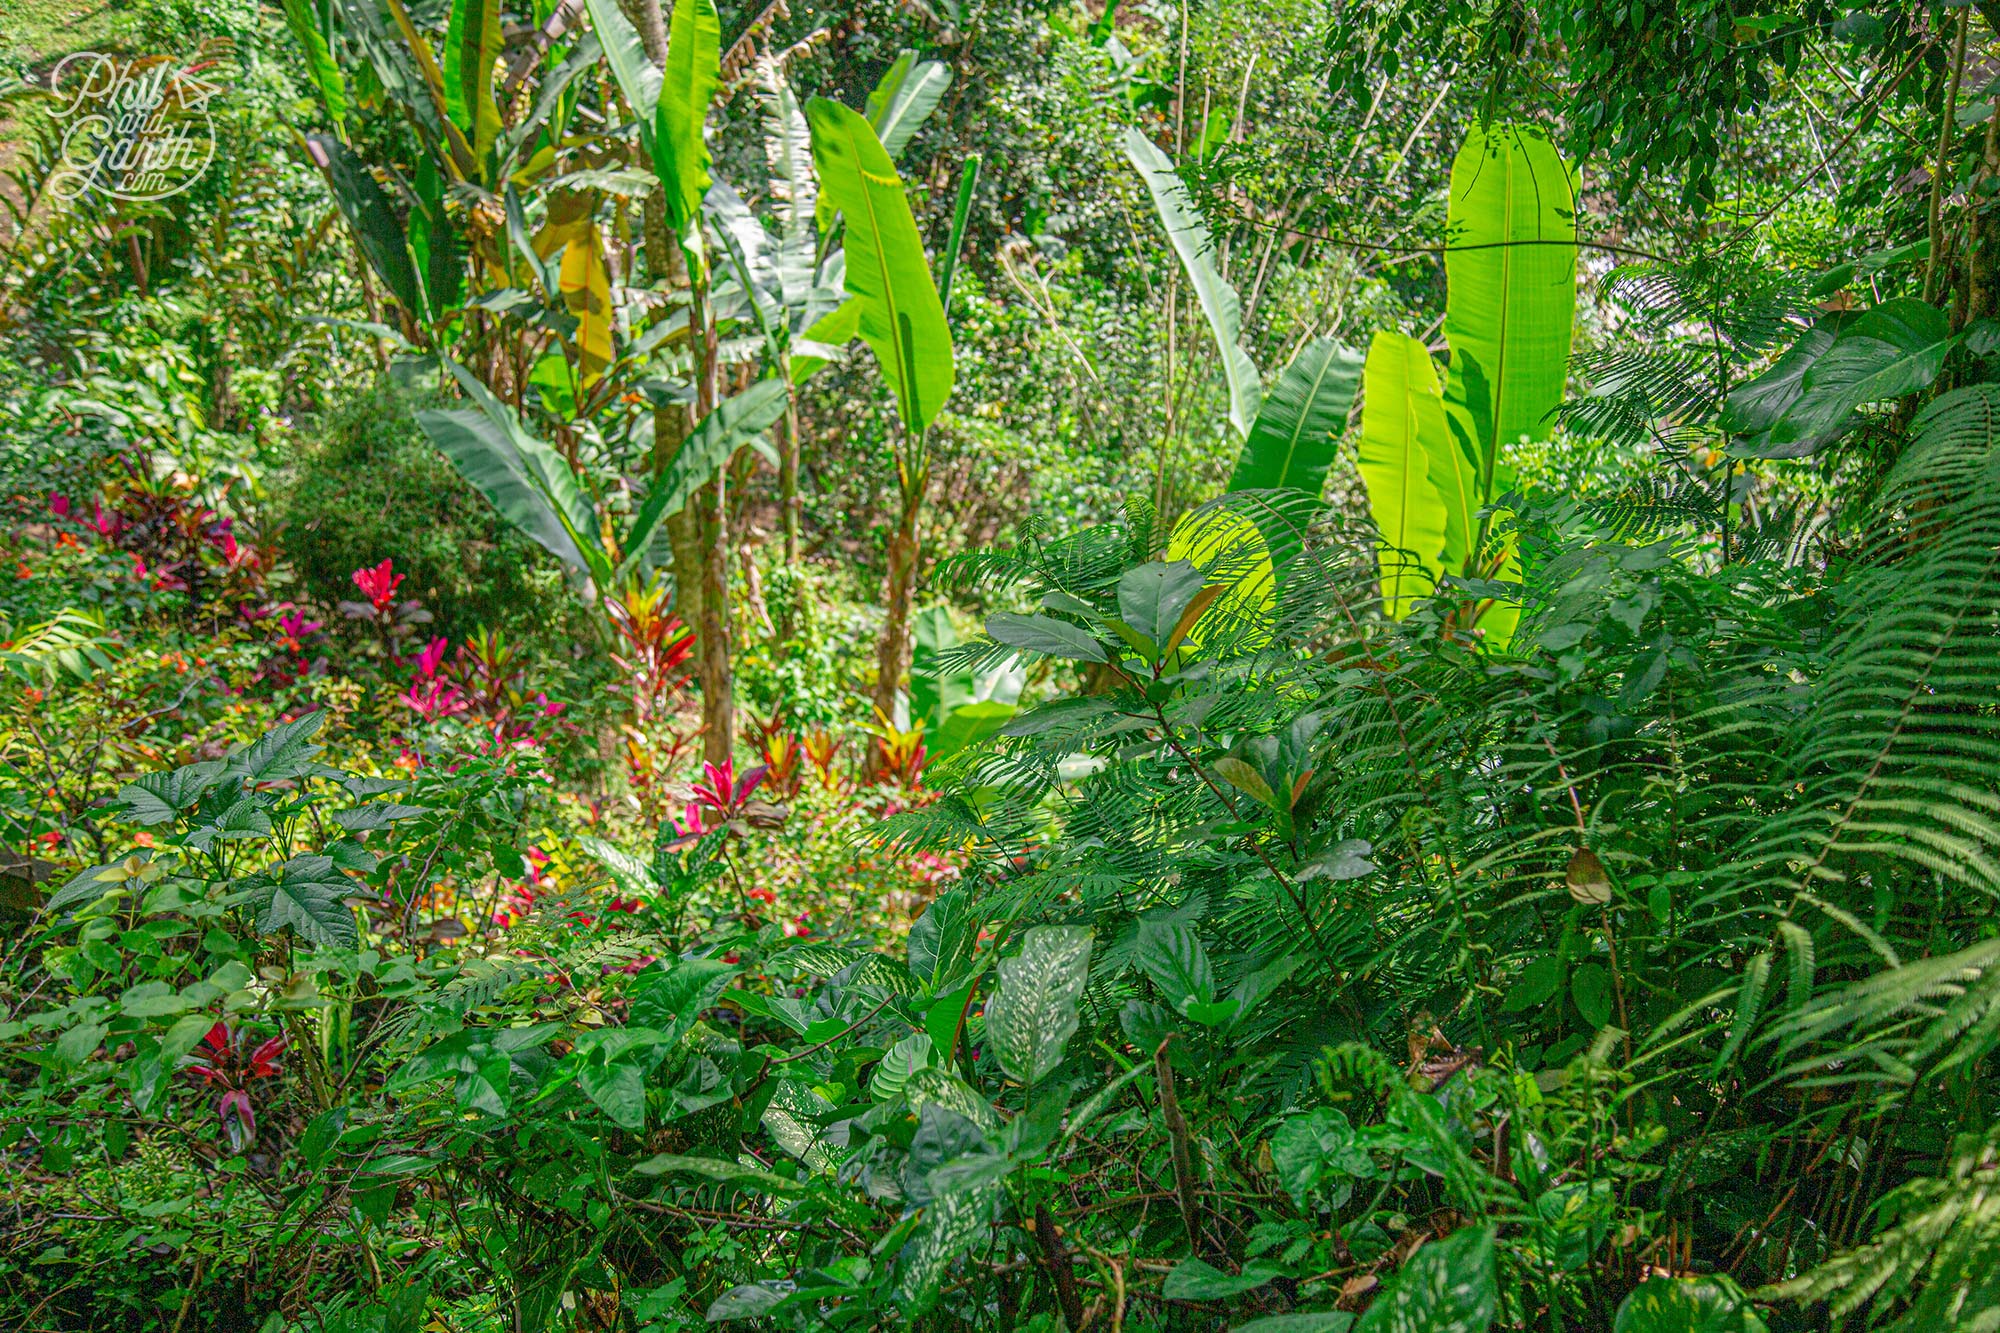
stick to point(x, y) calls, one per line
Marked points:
point(225, 1059)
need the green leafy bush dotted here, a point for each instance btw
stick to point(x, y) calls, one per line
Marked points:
point(367, 486)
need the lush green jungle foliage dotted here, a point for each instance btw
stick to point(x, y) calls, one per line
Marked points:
point(1278, 665)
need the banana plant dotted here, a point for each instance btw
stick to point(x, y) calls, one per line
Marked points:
point(1510, 304)
point(1402, 426)
point(368, 55)
point(901, 318)
point(1291, 435)
point(533, 488)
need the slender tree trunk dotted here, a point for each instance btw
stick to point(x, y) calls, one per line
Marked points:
point(1982, 245)
point(685, 530)
point(788, 468)
point(718, 705)
point(892, 656)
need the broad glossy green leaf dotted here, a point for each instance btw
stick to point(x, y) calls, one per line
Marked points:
point(714, 1168)
point(830, 332)
point(1217, 298)
point(1402, 426)
point(1590, 988)
point(1309, 1148)
point(306, 894)
point(967, 725)
point(320, 64)
point(943, 940)
point(527, 481)
point(1151, 597)
point(1171, 956)
point(900, 1061)
point(1310, 1321)
point(486, 457)
point(752, 1300)
point(155, 798)
point(1198, 1280)
point(901, 318)
point(1032, 1016)
point(905, 98)
point(1894, 349)
point(1298, 428)
point(619, 1090)
point(1510, 270)
point(952, 1224)
point(1045, 635)
point(680, 152)
point(1687, 1305)
point(1758, 404)
point(671, 997)
point(633, 875)
point(1447, 1286)
point(285, 751)
point(471, 45)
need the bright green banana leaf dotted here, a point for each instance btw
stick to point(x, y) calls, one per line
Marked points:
point(471, 45)
point(1402, 420)
point(1217, 298)
point(902, 320)
point(320, 64)
point(638, 78)
point(905, 98)
point(1298, 428)
point(680, 153)
point(1510, 304)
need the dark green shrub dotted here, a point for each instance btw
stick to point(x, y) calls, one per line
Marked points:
point(368, 486)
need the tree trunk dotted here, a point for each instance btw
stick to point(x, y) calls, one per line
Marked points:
point(699, 533)
point(788, 469)
point(718, 703)
point(892, 656)
point(711, 503)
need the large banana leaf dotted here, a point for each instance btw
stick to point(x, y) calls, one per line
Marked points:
point(1402, 413)
point(459, 149)
point(434, 242)
point(680, 153)
point(831, 331)
point(367, 23)
point(585, 283)
point(1292, 442)
point(471, 45)
point(1510, 268)
point(902, 320)
point(527, 481)
point(787, 152)
point(320, 65)
point(1218, 301)
point(638, 78)
point(367, 210)
point(733, 423)
point(905, 98)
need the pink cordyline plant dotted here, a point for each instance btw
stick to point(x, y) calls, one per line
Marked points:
point(221, 1061)
point(724, 792)
point(378, 585)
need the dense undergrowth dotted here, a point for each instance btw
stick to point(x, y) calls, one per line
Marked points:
point(1271, 667)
